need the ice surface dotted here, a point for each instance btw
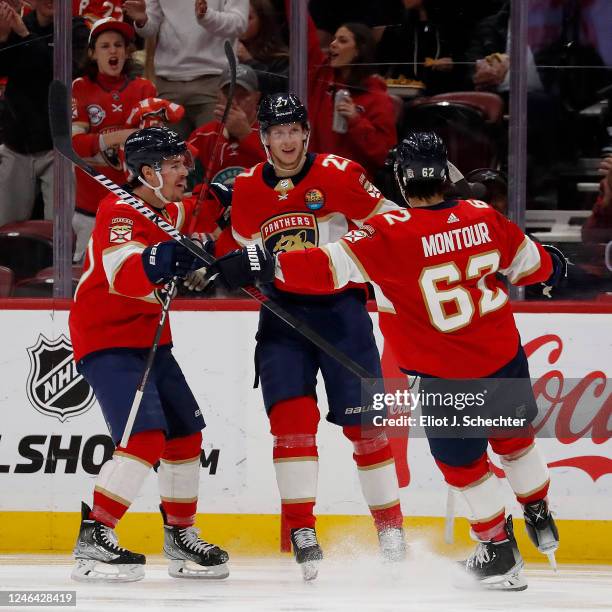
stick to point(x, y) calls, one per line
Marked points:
point(348, 581)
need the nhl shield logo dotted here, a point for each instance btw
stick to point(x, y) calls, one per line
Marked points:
point(54, 386)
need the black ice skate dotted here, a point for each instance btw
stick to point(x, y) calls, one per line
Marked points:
point(307, 551)
point(497, 565)
point(541, 529)
point(392, 544)
point(190, 556)
point(98, 556)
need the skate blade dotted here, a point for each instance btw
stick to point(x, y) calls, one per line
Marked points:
point(310, 570)
point(90, 570)
point(552, 560)
point(510, 582)
point(513, 580)
point(188, 569)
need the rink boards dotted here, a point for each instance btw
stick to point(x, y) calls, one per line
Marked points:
point(53, 438)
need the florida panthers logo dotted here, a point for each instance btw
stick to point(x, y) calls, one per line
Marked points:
point(290, 232)
point(293, 242)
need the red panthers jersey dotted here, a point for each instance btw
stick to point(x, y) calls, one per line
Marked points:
point(329, 196)
point(115, 304)
point(92, 10)
point(101, 107)
point(443, 308)
point(232, 156)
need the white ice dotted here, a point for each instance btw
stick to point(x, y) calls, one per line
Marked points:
point(347, 582)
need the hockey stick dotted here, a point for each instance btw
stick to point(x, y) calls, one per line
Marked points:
point(172, 286)
point(231, 60)
point(449, 519)
point(59, 120)
point(127, 431)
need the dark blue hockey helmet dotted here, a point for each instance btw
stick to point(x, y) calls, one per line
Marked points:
point(150, 146)
point(280, 108)
point(421, 156)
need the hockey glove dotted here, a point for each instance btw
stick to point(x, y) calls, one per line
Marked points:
point(559, 263)
point(164, 260)
point(154, 112)
point(198, 279)
point(244, 267)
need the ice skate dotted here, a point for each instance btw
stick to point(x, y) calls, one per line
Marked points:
point(98, 556)
point(541, 529)
point(392, 542)
point(192, 557)
point(307, 551)
point(496, 565)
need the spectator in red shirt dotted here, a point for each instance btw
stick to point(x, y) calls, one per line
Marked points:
point(368, 109)
point(239, 145)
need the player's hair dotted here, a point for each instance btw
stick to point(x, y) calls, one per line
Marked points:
point(425, 189)
point(366, 55)
point(130, 68)
point(268, 43)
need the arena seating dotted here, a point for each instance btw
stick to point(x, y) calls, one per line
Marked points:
point(26, 247)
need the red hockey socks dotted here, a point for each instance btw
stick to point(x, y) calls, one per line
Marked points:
point(480, 489)
point(293, 423)
point(377, 476)
point(121, 478)
point(179, 479)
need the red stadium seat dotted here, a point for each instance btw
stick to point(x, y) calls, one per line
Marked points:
point(26, 247)
point(39, 227)
point(489, 104)
point(7, 279)
point(41, 284)
point(469, 136)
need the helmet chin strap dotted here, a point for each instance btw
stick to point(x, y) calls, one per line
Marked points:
point(156, 190)
point(396, 170)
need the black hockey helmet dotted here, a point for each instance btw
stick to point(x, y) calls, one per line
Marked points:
point(279, 108)
point(420, 157)
point(150, 146)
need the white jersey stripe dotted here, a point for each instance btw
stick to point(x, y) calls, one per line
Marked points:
point(526, 261)
point(114, 258)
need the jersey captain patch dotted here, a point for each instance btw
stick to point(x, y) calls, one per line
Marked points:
point(290, 232)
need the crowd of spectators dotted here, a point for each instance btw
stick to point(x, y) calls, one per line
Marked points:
point(373, 69)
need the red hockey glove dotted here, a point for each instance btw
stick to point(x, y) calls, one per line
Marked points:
point(152, 112)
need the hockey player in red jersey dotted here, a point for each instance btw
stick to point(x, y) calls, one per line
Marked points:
point(103, 102)
point(112, 324)
point(447, 316)
point(293, 201)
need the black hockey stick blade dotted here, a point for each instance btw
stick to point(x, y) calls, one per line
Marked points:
point(231, 61)
point(60, 121)
point(61, 128)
